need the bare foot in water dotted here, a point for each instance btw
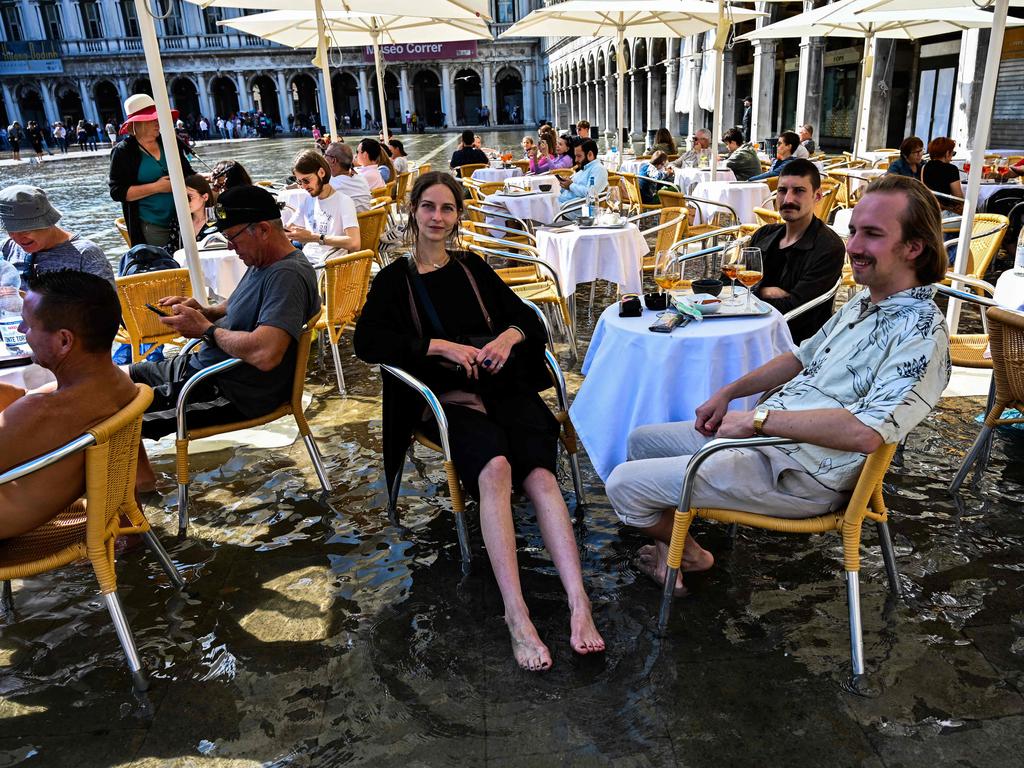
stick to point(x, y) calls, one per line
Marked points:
point(584, 636)
point(652, 562)
point(531, 654)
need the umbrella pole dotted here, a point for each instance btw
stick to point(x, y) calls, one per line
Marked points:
point(169, 140)
point(620, 61)
point(380, 86)
point(325, 68)
point(865, 81)
point(981, 135)
point(721, 36)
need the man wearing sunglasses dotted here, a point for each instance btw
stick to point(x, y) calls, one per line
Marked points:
point(260, 323)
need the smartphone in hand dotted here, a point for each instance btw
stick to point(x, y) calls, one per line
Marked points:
point(157, 310)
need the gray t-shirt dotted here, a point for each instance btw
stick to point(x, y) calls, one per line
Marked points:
point(77, 254)
point(283, 295)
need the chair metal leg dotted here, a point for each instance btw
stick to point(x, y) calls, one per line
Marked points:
point(463, 533)
point(182, 510)
point(393, 515)
point(889, 557)
point(163, 558)
point(593, 290)
point(577, 480)
point(337, 369)
point(318, 462)
point(972, 455)
point(6, 598)
point(856, 633)
point(124, 634)
point(666, 598)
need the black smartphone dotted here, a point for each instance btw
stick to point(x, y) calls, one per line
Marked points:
point(666, 322)
point(157, 311)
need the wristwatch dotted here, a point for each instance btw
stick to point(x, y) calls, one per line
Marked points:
point(760, 417)
point(321, 239)
point(209, 337)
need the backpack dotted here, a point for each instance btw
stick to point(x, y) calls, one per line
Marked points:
point(145, 258)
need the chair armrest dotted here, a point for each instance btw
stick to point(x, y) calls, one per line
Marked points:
point(48, 459)
point(970, 298)
point(192, 344)
point(716, 445)
point(809, 305)
point(974, 282)
point(678, 244)
point(432, 402)
point(193, 382)
point(714, 203)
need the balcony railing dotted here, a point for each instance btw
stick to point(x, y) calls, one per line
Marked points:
point(133, 45)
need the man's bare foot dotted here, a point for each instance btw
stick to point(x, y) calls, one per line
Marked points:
point(531, 654)
point(695, 557)
point(584, 636)
point(656, 570)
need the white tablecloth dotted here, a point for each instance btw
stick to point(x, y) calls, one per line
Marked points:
point(688, 178)
point(861, 177)
point(635, 376)
point(495, 174)
point(1010, 290)
point(629, 164)
point(743, 196)
point(534, 182)
point(583, 255)
point(542, 207)
point(26, 376)
point(985, 191)
point(222, 269)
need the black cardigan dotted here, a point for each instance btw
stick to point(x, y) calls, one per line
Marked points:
point(125, 159)
point(386, 333)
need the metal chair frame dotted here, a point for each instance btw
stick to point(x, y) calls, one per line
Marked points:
point(829, 295)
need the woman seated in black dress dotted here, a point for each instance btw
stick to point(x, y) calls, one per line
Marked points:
point(423, 314)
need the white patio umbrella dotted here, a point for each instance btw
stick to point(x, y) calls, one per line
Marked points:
point(456, 9)
point(306, 29)
point(639, 18)
point(168, 137)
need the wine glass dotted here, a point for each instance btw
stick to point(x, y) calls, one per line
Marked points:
point(667, 270)
point(732, 264)
point(751, 272)
point(1003, 167)
point(614, 199)
point(967, 167)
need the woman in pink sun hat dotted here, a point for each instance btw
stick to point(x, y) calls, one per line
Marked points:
point(139, 175)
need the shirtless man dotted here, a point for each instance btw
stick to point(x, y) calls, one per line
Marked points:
point(69, 320)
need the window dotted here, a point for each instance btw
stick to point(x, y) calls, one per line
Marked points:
point(174, 23)
point(505, 11)
point(50, 13)
point(12, 21)
point(210, 18)
point(935, 96)
point(130, 18)
point(92, 21)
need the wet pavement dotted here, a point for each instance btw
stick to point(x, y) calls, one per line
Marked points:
point(314, 633)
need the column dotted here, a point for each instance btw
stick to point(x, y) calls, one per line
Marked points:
point(13, 108)
point(244, 97)
point(529, 95)
point(609, 102)
point(284, 98)
point(763, 90)
point(122, 89)
point(404, 94)
point(71, 22)
point(206, 106)
point(879, 103)
point(973, 52)
point(49, 103)
point(89, 105)
point(487, 95)
point(112, 26)
point(809, 83)
point(693, 62)
point(571, 94)
point(635, 106)
point(31, 22)
point(364, 95)
point(671, 66)
point(321, 97)
point(652, 107)
point(729, 116)
point(447, 96)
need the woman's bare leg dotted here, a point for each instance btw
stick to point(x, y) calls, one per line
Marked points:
point(500, 539)
point(553, 517)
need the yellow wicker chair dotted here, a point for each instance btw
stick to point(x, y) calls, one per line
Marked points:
point(767, 216)
point(371, 227)
point(1006, 344)
point(987, 232)
point(89, 528)
point(122, 229)
point(346, 280)
point(292, 407)
point(567, 438)
point(466, 171)
point(565, 173)
point(387, 192)
point(866, 502)
point(670, 229)
point(522, 165)
point(141, 324)
point(422, 168)
point(829, 196)
point(403, 186)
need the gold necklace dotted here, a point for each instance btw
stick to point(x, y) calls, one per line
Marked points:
point(432, 264)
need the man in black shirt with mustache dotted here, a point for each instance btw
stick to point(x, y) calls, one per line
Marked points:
point(802, 257)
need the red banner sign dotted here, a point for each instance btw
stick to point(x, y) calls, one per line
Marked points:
point(423, 51)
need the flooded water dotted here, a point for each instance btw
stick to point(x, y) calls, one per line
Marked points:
point(314, 633)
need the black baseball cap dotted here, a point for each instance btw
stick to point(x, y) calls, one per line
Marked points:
point(245, 205)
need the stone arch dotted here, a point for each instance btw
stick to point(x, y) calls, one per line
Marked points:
point(468, 94)
point(346, 96)
point(141, 85)
point(265, 97)
point(426, 88)
point(108, 101)
point(224, 95)
point(30, 103)
point(69, 102)
point(185, 97)
point(508, 91)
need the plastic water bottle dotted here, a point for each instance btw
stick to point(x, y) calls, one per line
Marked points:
point(590, 206)
point(10, 308)
point(1018, 262)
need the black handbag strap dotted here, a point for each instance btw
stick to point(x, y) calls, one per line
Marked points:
point(416, 284)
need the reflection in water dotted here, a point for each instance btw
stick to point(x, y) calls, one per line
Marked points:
point(313, 632)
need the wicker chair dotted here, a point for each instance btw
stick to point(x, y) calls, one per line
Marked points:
point(1006, 343)
point(829, 196)
point(292, 407)
point(387, 192)
point(767, 216)
point(402, 187)
point(89, 528)
point(987, 232)
point(346, 279)
point(122, 230)
point(865, 502)
point(567, 438)
point(466, 171)
point(142, 325)
point(371, 227)
point(669, 229)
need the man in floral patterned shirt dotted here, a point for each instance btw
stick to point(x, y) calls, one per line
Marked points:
point(874, 371)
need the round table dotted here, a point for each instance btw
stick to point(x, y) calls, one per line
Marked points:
point(538, 206)
point(533, 183)
point(495, 174)
point(688, 178)
point(635, 376)
point(861, 177)
point(29, 376)
point(222, 269)
point(985, 191)
point(741, 196)
point(629, 164)
point(1010, 290)
point(584, 255)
